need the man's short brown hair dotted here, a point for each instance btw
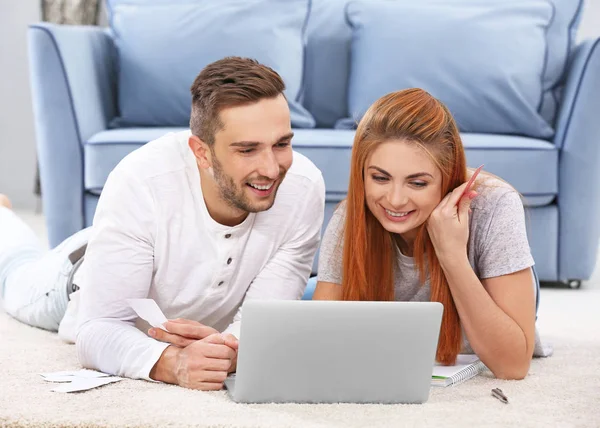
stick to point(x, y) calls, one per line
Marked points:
point(229, 82)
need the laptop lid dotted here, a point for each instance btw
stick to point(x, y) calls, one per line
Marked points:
point(336, 351)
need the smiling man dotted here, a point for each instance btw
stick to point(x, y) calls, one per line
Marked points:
point(199, 221)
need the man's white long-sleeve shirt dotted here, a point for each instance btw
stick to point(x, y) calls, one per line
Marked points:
point(153, 237)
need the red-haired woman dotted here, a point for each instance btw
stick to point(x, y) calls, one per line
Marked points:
point(406, 233)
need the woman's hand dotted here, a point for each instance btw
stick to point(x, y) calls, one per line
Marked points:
point(448, 224)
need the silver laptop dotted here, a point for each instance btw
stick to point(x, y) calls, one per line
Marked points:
point(333, 352)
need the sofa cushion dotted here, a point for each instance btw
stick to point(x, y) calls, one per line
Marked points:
point(491, 58)
point(328, 54)
point(530, 165)
point(163, 44)
point(327, 62)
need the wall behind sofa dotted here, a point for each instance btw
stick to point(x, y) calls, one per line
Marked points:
point(590, 23)
point(17, 137)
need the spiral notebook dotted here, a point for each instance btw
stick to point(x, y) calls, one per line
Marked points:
point(466, 367)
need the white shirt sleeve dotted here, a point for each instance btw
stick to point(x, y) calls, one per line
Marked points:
point(119, 264)
point(285, 275)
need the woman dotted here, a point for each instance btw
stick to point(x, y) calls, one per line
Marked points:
point(406, 232)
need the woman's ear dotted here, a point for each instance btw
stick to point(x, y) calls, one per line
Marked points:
point(201, 152)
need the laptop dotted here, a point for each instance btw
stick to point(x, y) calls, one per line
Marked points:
point(302, 351)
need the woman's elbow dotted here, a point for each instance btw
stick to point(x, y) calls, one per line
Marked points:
point(513, 372)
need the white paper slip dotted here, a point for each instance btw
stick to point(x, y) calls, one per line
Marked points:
point(62, 379)
point(148, 310)
point(83, 384)
point(84, 373)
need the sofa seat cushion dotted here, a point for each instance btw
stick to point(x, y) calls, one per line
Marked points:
point(530, 165)
point(106, 149)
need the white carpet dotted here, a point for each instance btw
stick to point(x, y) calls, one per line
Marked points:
point(563, 390)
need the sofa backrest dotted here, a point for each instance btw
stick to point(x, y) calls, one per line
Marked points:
point(163, 44)
point(328, 56)
point(327, 62)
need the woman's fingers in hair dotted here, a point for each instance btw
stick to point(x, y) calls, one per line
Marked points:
point(449, 205)
point(464, 206)
point(445, 204)
point(450, 202)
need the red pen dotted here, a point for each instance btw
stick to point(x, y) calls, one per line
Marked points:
point(470, 183)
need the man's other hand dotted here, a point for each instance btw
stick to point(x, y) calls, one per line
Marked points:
point(182, 332)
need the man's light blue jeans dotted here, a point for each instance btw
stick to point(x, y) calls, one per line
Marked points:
point(33, 281)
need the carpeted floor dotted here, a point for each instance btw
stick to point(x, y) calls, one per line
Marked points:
point(563, 390)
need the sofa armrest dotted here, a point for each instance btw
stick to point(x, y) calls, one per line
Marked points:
point(578, 137)
point(72, 74)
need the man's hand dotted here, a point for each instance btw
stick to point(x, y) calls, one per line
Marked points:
point(203, 365)
point(231, 340)
point(182, 332)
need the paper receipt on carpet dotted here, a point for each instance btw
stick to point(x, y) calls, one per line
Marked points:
point(79, 380)
point(83, 384)
point(69, 376)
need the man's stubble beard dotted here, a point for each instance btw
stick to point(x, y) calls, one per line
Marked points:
point(235, 196)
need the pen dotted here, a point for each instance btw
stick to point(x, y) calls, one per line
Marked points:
point(471, 180)
point(497, 392)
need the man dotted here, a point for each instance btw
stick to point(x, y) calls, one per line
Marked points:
point(198, 221)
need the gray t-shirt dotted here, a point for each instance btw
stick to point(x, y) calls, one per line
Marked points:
point(498, 244)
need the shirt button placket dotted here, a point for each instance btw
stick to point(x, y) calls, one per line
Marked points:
point(229, 260)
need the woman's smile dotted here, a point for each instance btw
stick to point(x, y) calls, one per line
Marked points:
point(398, 216)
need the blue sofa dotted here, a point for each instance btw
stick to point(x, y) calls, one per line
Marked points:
point(86, 90)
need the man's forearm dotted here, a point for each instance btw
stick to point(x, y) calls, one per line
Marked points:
point(117, 348)
point(165, 368)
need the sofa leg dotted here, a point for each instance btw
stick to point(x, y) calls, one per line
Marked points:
point(573, 283)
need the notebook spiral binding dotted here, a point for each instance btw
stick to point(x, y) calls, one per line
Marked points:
point(467, 373)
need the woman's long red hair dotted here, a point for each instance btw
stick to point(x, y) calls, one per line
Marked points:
point(370, 256)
